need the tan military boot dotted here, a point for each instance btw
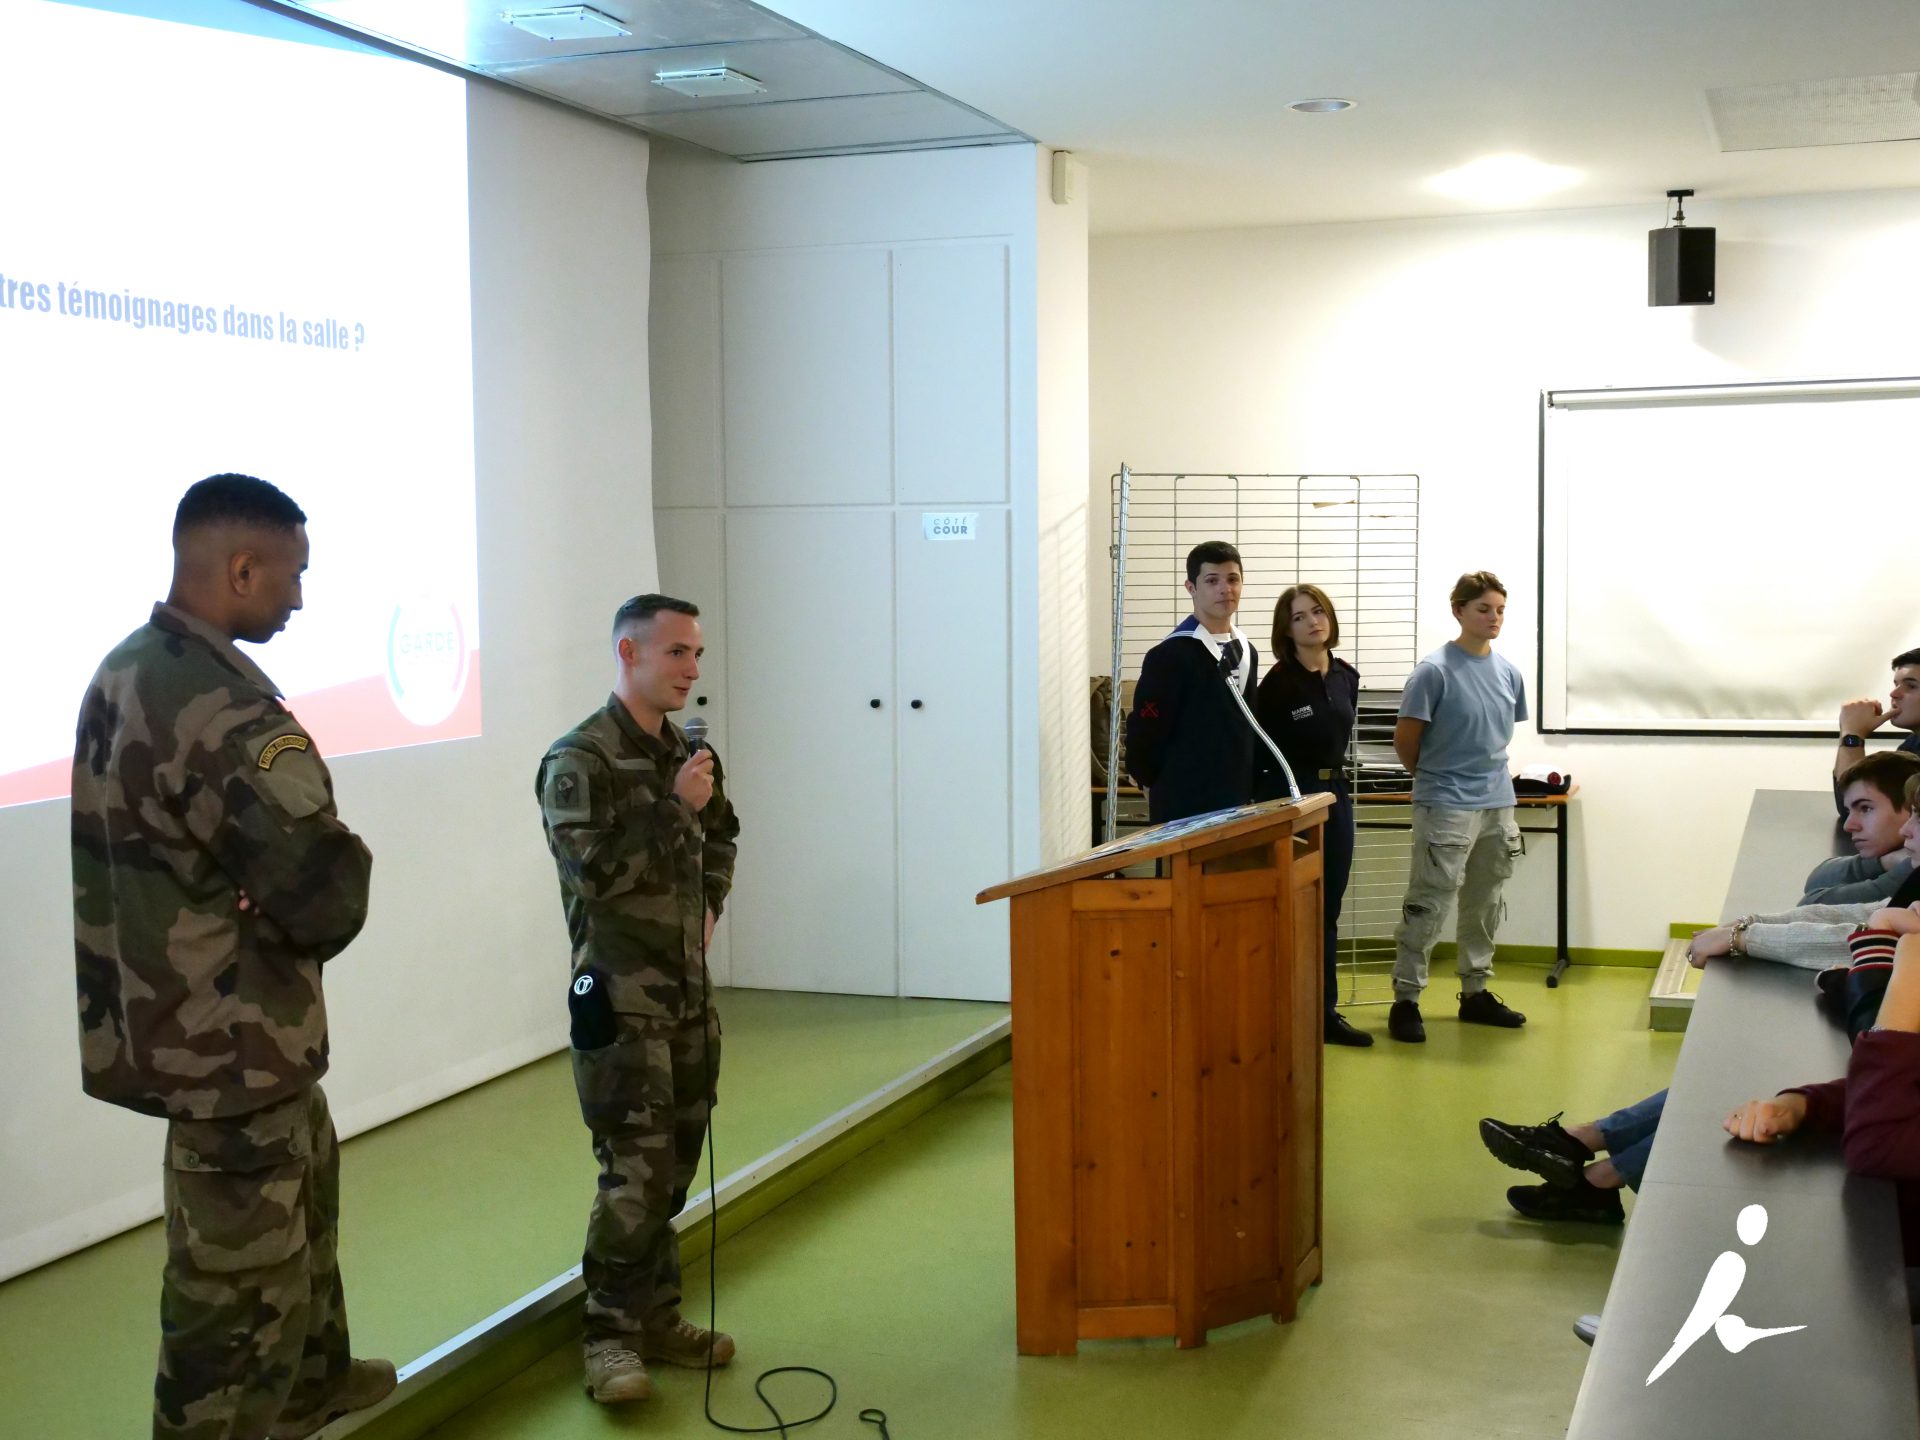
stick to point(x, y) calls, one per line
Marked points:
point(684, 1343)
point(367, 1382)
point(615, 1375)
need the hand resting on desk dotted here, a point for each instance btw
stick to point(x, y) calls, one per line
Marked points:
point(1762, 1122)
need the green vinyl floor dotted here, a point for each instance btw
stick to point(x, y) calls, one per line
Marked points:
point(1443, 1313)
point(456, 1210)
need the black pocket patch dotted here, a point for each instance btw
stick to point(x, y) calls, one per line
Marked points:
point(590, 1010)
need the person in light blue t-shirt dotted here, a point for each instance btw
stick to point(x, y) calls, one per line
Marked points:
point(1457, 715)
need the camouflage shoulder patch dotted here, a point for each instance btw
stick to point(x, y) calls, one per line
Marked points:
point(286, 769)
point(566, 797)
point(274, 748)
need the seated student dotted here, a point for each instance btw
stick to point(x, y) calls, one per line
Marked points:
point(1860, 718)
point(1876, 808)
point(1811, 937)
point(1581, 1185)
point(1876, 1107)
point(1886, 1131)
point(1188, 742)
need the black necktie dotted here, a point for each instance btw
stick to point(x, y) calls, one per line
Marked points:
point(1229, 659)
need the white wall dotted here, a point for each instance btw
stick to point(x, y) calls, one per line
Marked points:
point(459, 973)
point(1062, 598)
point(705, 208)
point(1422, 346)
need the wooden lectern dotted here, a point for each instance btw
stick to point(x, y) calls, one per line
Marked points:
point(1166, 1080)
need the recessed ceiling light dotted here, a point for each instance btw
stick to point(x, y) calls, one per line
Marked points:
point(1504, 179)
point(713, 80)
point(1326, 105)
point(566, 22)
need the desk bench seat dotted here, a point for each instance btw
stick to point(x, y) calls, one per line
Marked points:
point(1831, 1257)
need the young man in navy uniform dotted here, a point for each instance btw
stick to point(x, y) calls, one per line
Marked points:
point(1188, 742)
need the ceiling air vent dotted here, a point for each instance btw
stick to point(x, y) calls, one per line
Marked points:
point(704, 84)
point(1853, 110)
point(565, 22)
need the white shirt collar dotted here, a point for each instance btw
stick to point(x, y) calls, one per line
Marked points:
point(1218, 643)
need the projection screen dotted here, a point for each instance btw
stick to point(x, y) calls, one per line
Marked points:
point(275, 256)
point(1727, 559)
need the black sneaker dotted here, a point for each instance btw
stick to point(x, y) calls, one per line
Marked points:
point(1404, 1023)
point(1483, 1007)
point(1340, 1031)
point(1546, 1149)
point(1586, 1203)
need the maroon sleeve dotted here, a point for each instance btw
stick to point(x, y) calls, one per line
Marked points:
point(1883, 1109)
point(1826, 1106)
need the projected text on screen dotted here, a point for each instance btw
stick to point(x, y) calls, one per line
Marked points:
point(252, 258)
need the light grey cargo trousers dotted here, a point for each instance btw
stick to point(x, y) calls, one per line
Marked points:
point(1463, 853)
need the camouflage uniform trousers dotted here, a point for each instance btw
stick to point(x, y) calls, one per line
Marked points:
point(646, 1098)
point(253, 1318)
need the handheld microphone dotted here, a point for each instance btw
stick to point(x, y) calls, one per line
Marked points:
point(1230, 656)
point(696, 733)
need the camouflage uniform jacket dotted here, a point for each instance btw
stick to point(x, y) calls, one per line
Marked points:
point(638, 869)
point(193, 786)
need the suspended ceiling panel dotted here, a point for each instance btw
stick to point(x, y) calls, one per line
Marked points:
point(820, 98)
point(826, 127)
point(472, 34)
point(790, 69)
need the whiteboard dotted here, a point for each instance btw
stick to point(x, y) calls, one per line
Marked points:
point(1731, 559)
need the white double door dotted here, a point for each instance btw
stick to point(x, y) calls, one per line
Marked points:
point(861, 705)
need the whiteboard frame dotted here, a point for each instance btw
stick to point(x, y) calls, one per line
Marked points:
point(1552, 682)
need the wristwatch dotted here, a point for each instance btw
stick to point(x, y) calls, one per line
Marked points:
point(1852, 742)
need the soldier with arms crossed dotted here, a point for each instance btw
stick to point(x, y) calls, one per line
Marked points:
point(211, 880)
point(643, 836)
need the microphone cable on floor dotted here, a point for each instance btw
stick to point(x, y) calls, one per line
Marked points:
point(781, 1426)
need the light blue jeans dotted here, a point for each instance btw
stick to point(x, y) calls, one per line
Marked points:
point(1629, 1136)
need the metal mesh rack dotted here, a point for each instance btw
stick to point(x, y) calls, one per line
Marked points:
point(1358, 538)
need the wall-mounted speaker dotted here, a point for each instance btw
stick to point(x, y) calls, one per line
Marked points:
point(1680, 265)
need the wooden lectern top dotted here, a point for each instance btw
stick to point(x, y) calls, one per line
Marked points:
point(1173, 838)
